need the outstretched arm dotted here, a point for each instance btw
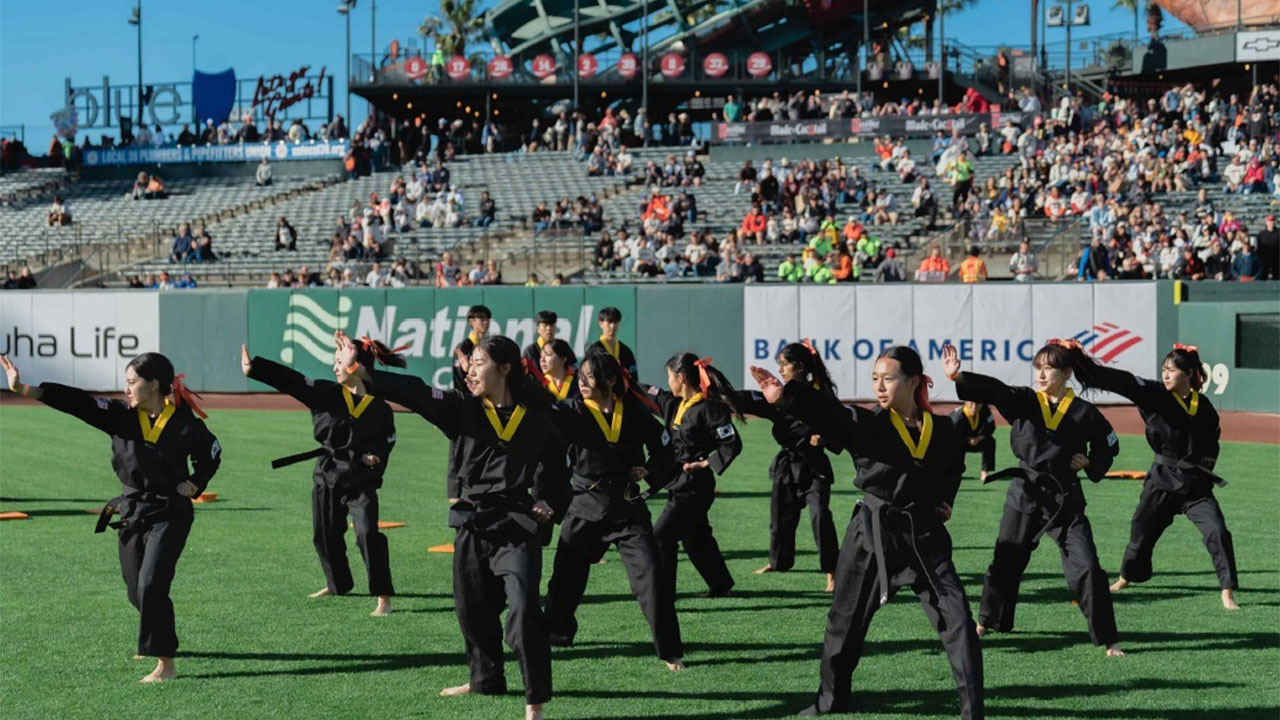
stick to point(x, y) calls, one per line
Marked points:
point(284, 379)
point(1139, 391)
point(437, 407)
point(98, 412)
point(976, 387)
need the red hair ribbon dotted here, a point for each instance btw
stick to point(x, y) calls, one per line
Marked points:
point(807, 344)
point(531, 368)
point(922, 393)
point(1188, 348)
point(704, 382)
point(371, 345)
point(182, 395)
point(1068, 344)
point(628, 388)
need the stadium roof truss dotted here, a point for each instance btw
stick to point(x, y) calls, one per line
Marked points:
point(793, 27)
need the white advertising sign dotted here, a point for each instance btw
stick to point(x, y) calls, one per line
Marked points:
point(996, 327)
point(1256, 46)
point(83, 338)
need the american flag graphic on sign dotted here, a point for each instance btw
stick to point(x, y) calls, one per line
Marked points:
point(1107, 341)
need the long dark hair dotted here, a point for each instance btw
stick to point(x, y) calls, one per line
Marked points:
point(154, 366)
point(912, 367)
point(565, 351)
point(609, 374)
point(716, 389)
point(1187, 359)
point(805, 355)
point(369, 351)
point(1069, 355)
point(524, 388)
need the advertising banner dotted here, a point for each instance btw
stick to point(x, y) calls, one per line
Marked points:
point(296, 327)
point(843, 128)
point(996, 328)
point(217, 153)
point(83, 338)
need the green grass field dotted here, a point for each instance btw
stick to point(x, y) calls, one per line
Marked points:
point(253, 644)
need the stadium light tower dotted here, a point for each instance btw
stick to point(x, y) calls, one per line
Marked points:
point(345, 9)
point(194, 39)
point(136, 19)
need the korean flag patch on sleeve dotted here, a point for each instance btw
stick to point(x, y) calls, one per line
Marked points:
point(1112, 440)
point(437, 394)
point(726, 431)
point(666, 438)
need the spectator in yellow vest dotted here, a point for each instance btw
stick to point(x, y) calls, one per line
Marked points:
point(972, 269)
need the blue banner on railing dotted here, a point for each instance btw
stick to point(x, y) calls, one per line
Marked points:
point(217, 153)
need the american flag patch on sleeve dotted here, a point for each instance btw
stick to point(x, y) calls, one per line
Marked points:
point(437, 394)
point(103, 403)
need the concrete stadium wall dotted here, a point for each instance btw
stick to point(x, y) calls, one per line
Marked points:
point(55, 336)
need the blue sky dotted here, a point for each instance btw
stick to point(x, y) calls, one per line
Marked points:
point(42, 43)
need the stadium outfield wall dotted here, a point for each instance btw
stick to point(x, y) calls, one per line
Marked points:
point(85, 337)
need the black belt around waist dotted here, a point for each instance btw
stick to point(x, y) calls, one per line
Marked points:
point(878, 509)
point(1188, 466)
point(294, 459)
point(1021, 473)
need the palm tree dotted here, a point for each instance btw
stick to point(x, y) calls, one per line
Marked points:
point(1131, 6)
point(457, 25)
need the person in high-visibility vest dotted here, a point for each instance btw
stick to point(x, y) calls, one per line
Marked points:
point(962, 179)
point(437, 64)
point(972, 269)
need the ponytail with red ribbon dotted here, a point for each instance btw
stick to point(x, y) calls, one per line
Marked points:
point(1068, 344)
point(635, 391)
point(704, 382)
point(1188, 348)
point(381, 353)
point(183, 396)
point(922, 393)
point(809, 345)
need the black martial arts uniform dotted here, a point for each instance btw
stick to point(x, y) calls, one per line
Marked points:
point(465, 347)
point(497, 554)
point(622, 354)
point(348, 427)
point(698, 430)
point(1046, 498)
point(565, 390)
point(150, 458)
point(895, 539)
point(605, 511)
point(801, 475)
point(533, 352)
point(983, 428)
point(1184, 435)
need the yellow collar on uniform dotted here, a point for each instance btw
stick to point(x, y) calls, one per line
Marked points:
point(917, 450)
point(508, 431)
point(973, 419)
point(560, 391)
point(685, 405)
point(541, 342)
point(150, 432)
point(355, 409)
point(612, 430)
point(615, 349)
point(475, 339)
point(1052, 420)
point(1195, 402)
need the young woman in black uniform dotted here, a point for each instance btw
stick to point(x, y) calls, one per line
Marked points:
point(1183, 430)
point(698, 411)
point(908, 467)
point(801, 472)
point(615, 443)
point(557, 369)
point(154, 435)
point(1055, 435)
point(508, 463)
point(356, 432)
point(977, 428)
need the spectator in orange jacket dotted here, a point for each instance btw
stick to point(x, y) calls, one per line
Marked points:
point(934, 268)
point(753, 224)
